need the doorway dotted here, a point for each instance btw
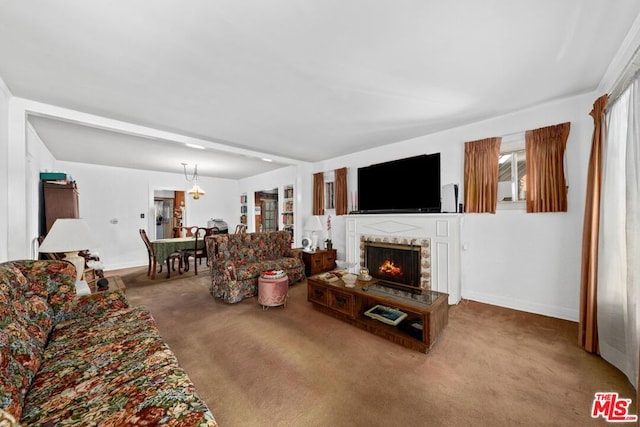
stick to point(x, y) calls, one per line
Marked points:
point(164, 217)
point(170, 213)
point(266, 215)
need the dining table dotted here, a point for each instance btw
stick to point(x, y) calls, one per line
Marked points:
point(162, 248)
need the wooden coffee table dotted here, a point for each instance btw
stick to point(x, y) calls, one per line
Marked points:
point(427, 312)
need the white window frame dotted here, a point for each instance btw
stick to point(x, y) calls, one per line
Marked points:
point(511, 144)
point(329, 195)
point(329, 191)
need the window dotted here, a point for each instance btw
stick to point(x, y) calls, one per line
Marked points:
point(512, 172)
point(329, 195)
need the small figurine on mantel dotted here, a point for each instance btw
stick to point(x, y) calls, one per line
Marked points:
point(328, 242)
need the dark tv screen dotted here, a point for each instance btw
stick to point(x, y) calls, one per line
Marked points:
point(409, 185)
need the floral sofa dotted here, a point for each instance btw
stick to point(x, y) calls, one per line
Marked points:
point(90, 360)
point(236, 260)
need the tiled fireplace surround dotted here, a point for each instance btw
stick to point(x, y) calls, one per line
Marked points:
point(425, 253)
point(437, 234)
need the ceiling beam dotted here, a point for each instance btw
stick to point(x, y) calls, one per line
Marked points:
point(77, 117)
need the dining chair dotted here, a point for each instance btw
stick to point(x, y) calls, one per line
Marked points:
point(241, 228)
point(190, 230)
point(171, 259)
point(150, 255)
point(199, 248)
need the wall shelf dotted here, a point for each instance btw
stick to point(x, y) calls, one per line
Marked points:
point(288, 210)
point(243, 209)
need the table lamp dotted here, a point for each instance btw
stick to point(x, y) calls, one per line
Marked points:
point(69, 235)
point(313, 225)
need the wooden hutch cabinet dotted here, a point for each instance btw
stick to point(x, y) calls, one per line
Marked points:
point(60, 201)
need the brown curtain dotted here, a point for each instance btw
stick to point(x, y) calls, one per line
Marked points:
point(341, 191)
point(545, 182)
point(318, 193)
point(481, 175)
point(588, 326)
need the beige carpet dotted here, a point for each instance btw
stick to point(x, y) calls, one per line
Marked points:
point(298, 367)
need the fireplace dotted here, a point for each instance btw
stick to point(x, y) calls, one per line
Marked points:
point(398, 261)
point(437, 234)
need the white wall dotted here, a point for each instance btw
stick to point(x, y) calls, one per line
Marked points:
point(106, 194)
point(529, 262)
point(4, 170)
point(112, 200)
point(451, 155)
point(19, 240)
point(524, 261)
point(532, 262)
point(38, 159)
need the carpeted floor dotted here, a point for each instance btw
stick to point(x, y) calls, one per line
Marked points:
point(298, 367)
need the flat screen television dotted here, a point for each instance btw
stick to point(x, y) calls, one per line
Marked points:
point(410, 185)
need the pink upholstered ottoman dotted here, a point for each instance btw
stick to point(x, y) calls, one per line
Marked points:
point(273, 292)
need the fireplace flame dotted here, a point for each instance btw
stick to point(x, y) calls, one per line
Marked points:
point(389, 268)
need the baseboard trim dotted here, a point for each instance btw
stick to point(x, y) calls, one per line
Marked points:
point(120, 266)
point(521, 305)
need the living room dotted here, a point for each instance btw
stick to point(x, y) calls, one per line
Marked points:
point(511, 259)
point(502, 270)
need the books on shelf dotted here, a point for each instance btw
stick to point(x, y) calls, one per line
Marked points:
point(288, 193)
point(287, 218)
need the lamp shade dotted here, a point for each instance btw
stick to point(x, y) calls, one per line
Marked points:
point(68, 235)
point(313, 223)
point(196, 191)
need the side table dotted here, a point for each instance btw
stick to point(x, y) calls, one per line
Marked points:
point(319, 261)
point(273, 292)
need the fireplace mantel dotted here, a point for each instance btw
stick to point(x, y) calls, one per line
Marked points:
point(442, 229)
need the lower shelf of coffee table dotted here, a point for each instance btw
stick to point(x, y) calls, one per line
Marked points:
point(349, 305)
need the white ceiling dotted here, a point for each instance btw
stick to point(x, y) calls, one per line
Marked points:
point(294, 80)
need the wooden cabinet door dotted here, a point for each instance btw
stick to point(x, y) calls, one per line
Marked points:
point(329, 260)
point(317, 294)
point(342, 302)
point(317, 264)
point(60, 201)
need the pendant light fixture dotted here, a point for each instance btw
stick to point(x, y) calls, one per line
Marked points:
point(195, 191)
